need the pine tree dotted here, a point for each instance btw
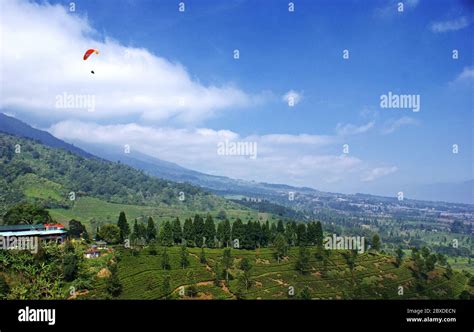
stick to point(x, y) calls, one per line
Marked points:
point(290, 233)
point(177, 231)
point(280, 227)
point(311, 234)
point(113, 285)
point(238, 230)
point(188, 232)
point(97, 234)
point(302, 262)
point(273, 232)
point(141, 231)
point(301, 235)
point(165, 260)
point(246, 267)
point(227, 262)
point(281, 247)
point(220, 233)
point(198, 225)
point(241, 286)
point(135, 232)
point(122, 223)
point(184, 257)
point(227, 233)
point(350, 258)
point(166, 286)
point(376, 242)
point(150, 230)
point(319, 234)
point(265, 237)
point(399, 258)
point(217, 275)
point(166, 235)
point(209, 231)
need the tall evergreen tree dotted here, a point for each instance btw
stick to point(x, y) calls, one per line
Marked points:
point(302, 262)
point(166, 286)
point(273, 232)
point(238, 230)
point(311, 233)
point(188, 232)
point(97, 234)
point(150, 230)
point(280, 227)
point(122, 223)
point(246, 239)
point(202, 256)
point(220, 233)
point(166, 234)
point(199, 233)
point(265, 234)
point(290, 233)
point(246, 267)
point(113, 285)
point(319, 234)
point(210, 231)
point(184, 257)
point(227, 262)
point(227, 233)
point(301, 235)
point(135, 232)
point(376, 242)
point(177, 231)
point(165, 260)
point(281, 246)
point(399, 258)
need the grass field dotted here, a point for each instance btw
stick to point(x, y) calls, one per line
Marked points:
point(93, 212)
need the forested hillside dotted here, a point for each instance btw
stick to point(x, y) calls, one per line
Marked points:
point(57, 178)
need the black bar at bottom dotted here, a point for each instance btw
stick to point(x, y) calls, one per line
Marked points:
point(140, 315)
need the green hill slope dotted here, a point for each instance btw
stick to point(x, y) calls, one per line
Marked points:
point(34, 172)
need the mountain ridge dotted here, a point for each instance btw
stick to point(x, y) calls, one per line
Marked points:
point(221, 185)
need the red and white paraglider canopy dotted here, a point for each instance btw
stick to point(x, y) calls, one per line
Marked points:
point(89, 52)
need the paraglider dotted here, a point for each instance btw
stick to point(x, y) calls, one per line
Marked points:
point(88, 54)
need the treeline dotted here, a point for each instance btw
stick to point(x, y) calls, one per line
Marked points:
point(204, 232)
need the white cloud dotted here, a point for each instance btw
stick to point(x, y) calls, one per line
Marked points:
point(293, 97)
point(41, 57)
point(451, 25)
point(394, 124)
point(466, 74)
point(390, 9)
point(412, 3)
point(293, 159)
point(378, 172)
point(350, 129)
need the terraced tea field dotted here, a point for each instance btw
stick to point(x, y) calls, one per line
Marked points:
point(375, 276)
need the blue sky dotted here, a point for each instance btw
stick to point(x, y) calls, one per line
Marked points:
point(407, 52)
